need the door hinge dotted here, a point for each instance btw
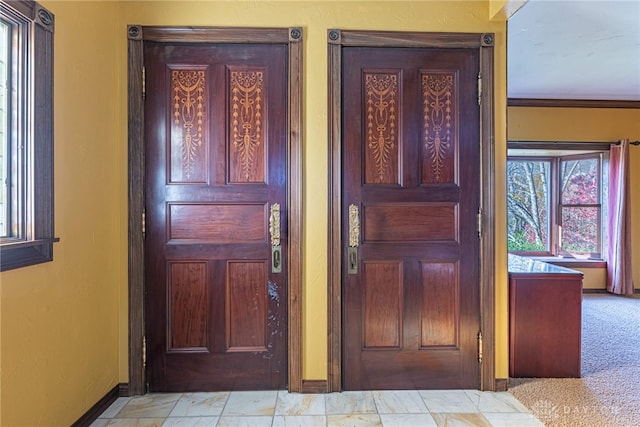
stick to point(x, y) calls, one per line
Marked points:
point(144, 352)
point(144, 223)
point(144, 82)
point(479, 89)
point(479, 224)
point(479, 347)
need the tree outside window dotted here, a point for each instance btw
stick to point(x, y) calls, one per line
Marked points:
point(528, 191)
point(554, 205)
point(580, 206)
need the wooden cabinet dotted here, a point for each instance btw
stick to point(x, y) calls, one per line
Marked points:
point(545, 319)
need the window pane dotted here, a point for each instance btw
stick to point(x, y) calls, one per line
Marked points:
point(580, 182)
point(4, 134)
point(580, 230)
point(528, 205)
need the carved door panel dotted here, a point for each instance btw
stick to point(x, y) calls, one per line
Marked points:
point(410, 201)
point(215, 248)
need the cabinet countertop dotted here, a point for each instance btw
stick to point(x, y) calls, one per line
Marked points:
point(521, 265)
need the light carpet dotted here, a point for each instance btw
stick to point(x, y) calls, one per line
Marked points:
point(608, 394)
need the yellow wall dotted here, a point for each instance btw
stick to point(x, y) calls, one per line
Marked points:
point(591, 125)
point(60, 320)
point(593, 278)
point(64, 324)
point(504, 9)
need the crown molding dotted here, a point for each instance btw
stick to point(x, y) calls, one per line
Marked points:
point(571, 103)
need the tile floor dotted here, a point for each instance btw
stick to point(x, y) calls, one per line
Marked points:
point(353, 408)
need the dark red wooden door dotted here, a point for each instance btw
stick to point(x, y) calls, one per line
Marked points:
point(215, 150)
point(411, 197)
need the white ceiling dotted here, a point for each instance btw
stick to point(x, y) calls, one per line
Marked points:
point(575, 49)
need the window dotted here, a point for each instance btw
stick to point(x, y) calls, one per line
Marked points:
point(26, 134)
point(554, 204)
point(5, 59)
point(579, 216)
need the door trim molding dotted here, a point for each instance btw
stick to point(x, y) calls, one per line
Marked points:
point(137, 35)
point(484, 42)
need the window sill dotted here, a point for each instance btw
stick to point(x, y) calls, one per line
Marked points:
point(17, 254)
point(570, 262)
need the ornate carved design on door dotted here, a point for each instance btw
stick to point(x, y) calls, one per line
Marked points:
point(438, 99)
point(247, 118)
point(189, 90)
point(381, 92)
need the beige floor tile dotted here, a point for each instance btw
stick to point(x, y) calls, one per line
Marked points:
point(407, 420)
point(356, 420)
point(153, 405)
point(300, 404)
point(190, 422)
point(245, 421)
point(200, 405)
point(488, 401)
point(100, 422)
point(115, 407)
point(518, 419)
point(251, 403)
point(448, 401)
point(350, 402)
point(136, 422)
point(460, 420)
point(299, 421)
point(399, 402)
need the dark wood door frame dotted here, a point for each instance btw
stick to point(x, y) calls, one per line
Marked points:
point(337, 39)
point(137, 35)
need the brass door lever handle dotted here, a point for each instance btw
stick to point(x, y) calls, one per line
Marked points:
point(274, 231)
point(354, 239)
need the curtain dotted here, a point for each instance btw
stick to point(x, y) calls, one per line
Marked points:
point(619, 278)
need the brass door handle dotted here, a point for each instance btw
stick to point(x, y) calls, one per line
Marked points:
point(354, 239)
point(354, 226)
point(274, 224)
point(274, 231)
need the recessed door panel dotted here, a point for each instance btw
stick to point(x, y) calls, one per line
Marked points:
point(247, 306)
point(189, 306)
point(383, 305)
point(439, 309)
point(420, 222)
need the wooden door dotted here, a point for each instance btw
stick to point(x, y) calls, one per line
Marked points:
point(215, 248)
point(410, 203)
